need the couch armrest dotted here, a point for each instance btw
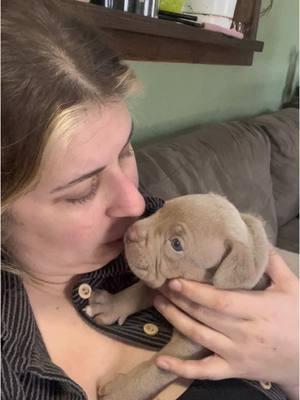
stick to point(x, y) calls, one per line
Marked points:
point(288, 236)
point(291, 258)
point(282, 128)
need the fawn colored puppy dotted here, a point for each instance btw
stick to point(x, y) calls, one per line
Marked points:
point(201, 237)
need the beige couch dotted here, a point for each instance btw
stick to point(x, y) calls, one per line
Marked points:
point(253, 162)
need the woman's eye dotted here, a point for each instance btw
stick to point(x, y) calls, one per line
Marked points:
point(87, 197)
point(176, 244)
point(83, 199)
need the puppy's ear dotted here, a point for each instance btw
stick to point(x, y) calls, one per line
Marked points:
point(243, 265)
point(237, 270)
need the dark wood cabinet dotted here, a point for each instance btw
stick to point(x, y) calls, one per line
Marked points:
point(151, 39)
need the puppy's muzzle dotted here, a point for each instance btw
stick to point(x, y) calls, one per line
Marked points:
point(136, 235)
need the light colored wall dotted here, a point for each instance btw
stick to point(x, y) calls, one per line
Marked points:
point(178, 95)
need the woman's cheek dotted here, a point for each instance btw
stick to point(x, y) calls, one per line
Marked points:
point(81, 220)
point(82, 234)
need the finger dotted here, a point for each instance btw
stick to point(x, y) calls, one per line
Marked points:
point(197, 332)
point(220, 322)
point(227, 302)
point(212, 367)
point(278, 269)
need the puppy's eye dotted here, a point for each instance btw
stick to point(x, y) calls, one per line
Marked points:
point(176, 244)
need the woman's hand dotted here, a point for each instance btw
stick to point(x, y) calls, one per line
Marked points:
point(252, 334)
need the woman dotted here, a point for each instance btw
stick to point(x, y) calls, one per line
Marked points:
point(69, 193)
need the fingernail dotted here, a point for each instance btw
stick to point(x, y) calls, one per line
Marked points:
point(163, 364)
point(176, 285)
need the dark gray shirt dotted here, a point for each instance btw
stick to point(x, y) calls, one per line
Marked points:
point(28, 372)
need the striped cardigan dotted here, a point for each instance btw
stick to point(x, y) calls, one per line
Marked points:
point(27, 370)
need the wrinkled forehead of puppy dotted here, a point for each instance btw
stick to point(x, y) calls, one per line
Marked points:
point(194, 214)
point(194, 233)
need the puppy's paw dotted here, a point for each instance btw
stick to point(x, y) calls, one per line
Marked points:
point(118, 389)
point(103, 308)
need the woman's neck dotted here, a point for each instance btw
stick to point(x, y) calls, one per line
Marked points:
point(50, 286)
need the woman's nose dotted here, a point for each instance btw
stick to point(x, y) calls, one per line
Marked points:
point(125, 199)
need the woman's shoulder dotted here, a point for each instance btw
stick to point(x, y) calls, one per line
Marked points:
point(17, 322)
point(11, 387)
point(16, 334)
point(13, 297)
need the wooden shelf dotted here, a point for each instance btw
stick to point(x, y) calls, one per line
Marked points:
point(150, 39)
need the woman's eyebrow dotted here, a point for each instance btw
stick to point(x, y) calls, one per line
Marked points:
point(77, 180)
point(91, 173)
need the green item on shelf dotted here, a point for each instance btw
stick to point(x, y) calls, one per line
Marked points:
point(171, 5)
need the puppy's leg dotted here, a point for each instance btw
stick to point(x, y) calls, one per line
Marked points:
point(108, 308)
point(147, 380)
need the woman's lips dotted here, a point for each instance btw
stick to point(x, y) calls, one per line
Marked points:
point(120, 237)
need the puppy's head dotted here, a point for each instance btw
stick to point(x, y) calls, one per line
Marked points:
point(198, 237)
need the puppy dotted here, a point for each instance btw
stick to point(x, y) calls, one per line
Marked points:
point(201, 237)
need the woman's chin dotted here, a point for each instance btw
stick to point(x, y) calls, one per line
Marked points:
point(110, 251)
point(105, 254)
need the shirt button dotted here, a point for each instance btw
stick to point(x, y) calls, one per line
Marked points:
point(151, 329)
point(265, 385)
point(84, 291)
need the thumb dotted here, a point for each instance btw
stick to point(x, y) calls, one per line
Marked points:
point(212, 367)
point(278, 269)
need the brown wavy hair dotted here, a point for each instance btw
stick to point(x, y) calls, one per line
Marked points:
point(54, 63)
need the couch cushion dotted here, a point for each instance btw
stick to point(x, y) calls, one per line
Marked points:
point(282, 128)
point(292, 259)
point(288, 236)
point(228, 158)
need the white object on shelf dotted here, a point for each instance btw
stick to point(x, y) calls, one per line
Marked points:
point(218, 12)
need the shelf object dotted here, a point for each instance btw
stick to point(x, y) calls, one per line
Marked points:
point(150, 39)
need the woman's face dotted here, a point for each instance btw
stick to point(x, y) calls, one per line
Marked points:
point(75, 218)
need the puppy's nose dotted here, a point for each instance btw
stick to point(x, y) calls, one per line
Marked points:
point(135, 234)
